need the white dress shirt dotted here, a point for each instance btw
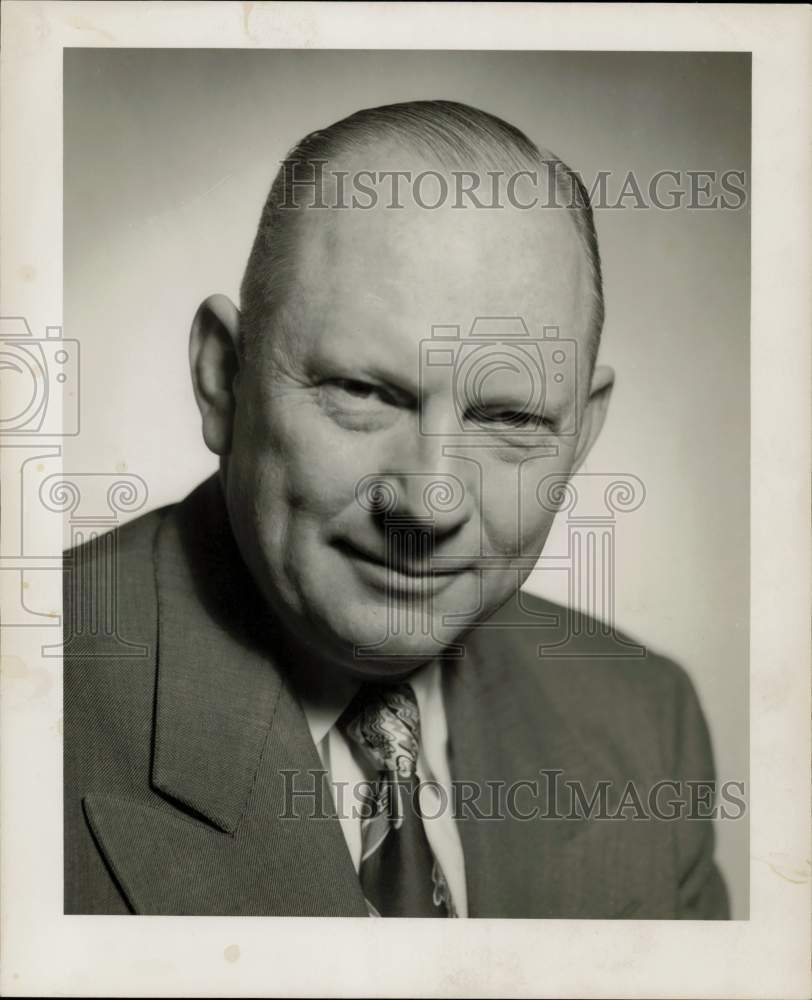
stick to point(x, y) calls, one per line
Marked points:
point(347, 769)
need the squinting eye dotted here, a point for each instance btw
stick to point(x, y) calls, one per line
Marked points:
point(352, 387)
point(508, 418)
point(349, 398)
point(361, 390)
point(514, 418)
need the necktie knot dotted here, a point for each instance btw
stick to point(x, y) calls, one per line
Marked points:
point(385, 722)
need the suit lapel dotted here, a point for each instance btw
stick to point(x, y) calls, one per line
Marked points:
point(230, 744)
point(216, 690)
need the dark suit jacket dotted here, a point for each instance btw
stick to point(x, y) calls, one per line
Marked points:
point(179, 722)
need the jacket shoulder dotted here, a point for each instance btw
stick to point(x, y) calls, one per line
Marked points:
point(608, 684)
point(581, 648)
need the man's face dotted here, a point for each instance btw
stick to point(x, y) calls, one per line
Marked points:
point(382, 503)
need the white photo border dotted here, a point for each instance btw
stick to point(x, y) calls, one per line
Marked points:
point(48, 953)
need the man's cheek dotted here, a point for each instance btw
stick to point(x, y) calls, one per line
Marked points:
point(534, 523)
point(514, 524)
point(322, 475)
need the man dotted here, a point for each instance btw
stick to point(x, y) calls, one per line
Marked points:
point(346, 706)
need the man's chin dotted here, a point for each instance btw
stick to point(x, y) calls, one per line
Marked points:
point(395, 657)
point(375, 649)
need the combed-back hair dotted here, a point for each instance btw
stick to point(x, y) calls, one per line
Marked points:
point(456, 137)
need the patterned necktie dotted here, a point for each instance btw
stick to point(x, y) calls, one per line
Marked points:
point(398, 872)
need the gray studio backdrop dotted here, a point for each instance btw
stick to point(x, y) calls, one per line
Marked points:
point(168, 158)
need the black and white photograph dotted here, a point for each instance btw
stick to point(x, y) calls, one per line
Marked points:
point(381, 497)
point(330, 681)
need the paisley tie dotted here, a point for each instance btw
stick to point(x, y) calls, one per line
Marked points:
point(398, 872)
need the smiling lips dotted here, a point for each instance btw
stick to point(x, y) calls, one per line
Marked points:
point(396, 576)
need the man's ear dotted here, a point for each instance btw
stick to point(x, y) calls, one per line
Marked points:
point(214, 361)
point(600, 391)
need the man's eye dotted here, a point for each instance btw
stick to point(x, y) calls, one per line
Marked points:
point(361, 390)
point(357, 404)
point(353, 389)
point(508, 418)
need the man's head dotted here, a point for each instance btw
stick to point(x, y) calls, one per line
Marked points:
point(381, 474)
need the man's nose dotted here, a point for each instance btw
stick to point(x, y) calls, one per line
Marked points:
point(424, 493)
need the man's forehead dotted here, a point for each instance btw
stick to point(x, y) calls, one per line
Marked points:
point(439, 265)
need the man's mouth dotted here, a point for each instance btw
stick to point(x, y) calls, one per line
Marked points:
point(399, 575)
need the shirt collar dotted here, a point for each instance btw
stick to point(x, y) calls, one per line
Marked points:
point(323, 709)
